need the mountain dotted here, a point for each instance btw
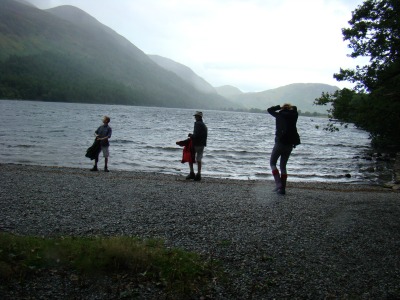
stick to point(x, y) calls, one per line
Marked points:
point(64, 54)
point(25, 2)
point(228, 91)
point(185, 73)
point(300, 94)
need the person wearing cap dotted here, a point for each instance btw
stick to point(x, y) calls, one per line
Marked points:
point(286, 138)
point(199, 141)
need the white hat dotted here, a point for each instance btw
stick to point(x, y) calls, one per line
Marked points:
point(198, 113)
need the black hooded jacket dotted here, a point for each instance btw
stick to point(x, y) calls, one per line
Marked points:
point(286, 119)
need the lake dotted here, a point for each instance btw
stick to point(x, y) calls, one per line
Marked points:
point(239, 144)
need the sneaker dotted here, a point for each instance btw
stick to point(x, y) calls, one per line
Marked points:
point(94, 169)
point(197, 177)
point(106, 170)
point(190, 176)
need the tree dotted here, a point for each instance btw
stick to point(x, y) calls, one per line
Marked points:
point(374, 103)
point(375, 33)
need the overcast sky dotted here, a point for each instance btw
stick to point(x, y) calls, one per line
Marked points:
point(254, 45)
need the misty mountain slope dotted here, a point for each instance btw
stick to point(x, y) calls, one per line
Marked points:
point(300, 94)
point(105, 39)
point(184, 73)
point(113, 52)
point(25, 2)
point(24, 29)
point(64, 54)
point(97, 31)
point(228, 91)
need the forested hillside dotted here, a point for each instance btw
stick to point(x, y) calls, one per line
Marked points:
point(64, 54)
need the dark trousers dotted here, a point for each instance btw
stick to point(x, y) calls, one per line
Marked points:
point(283, 152)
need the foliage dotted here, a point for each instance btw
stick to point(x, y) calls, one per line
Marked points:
point(375, 33)
point(374, 103)
point(178, 271)
point(340, 100)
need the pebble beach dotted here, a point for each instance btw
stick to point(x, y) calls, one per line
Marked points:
point(319, 241)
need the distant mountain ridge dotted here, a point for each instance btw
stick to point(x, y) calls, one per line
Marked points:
point(300, 94)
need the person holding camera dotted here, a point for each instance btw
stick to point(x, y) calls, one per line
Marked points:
point(286, 138)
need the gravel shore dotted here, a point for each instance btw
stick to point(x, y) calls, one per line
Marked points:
point(319, 241)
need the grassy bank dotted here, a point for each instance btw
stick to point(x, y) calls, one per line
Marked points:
point(175, 271)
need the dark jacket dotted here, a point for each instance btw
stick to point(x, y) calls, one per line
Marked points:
point(286, 119)
point(93, 151)
point(200, 132)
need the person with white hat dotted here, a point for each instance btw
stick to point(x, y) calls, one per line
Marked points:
point(199, 141)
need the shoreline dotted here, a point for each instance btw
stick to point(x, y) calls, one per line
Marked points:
point(297, 183)
point(320, 240)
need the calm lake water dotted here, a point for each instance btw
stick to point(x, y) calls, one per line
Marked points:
point(239, 144)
